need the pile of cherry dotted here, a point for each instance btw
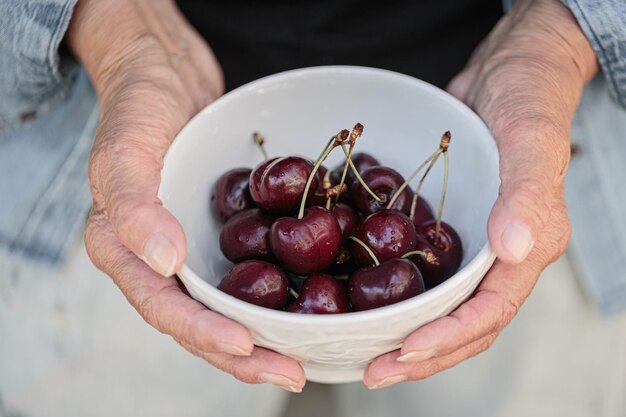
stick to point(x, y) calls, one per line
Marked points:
point(308, 240)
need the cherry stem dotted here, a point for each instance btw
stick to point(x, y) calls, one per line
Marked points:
point(357, 130)
point(419, 187)
point(358, 176)
point(328, 201)
point(260, 140)
point(444, 143)
point(443, 193)
point(335, 141)
point(293, 292)
point(410, 178)
point(326, 181)
point(360, 242)
point(430, 257)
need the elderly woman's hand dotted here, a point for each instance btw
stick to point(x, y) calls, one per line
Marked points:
point(152, 73)
point(525, 80)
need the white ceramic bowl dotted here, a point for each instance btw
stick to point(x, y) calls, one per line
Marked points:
point(297, 112)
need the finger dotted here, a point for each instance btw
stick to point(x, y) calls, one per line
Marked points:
point(263, 366)
point(160, 300)
point(492, 307)
point(530, 119)
point(494, 304)
point(534, 155)
point(386, 370)
point(124, 172)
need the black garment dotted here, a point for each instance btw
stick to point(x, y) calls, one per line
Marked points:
point(428, 39)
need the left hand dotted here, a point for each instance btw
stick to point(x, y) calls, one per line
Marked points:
point(525, 81)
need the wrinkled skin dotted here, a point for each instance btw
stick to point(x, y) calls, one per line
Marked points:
point(153, 72)
point(525, 81)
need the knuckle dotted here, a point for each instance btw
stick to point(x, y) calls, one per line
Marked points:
point(92, 230)
point(97, 231)
point(238, 369)
point(566, 234)
point(125, 209)
point(502, 309)
point(533, 196)
point(191, 332)
point(484, 344)
point(146, 305)
point(509, 310)
point(555, 240)
point(97, 158)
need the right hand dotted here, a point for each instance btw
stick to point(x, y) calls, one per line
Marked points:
point(152, 73)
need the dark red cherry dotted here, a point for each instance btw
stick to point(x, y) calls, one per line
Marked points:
point(347, 219)
point(231, 194)
point(321, 294)
point(388, 233)
point(423, 212)
point(361, 161)
point(277, 184)
point(246, 235)
point(257, 282)
point(447, 248)
point(384, 182)
point(390, 282)
point(308, 244)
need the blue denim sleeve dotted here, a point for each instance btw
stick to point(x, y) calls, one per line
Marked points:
point(34, 77)
point(604, 24)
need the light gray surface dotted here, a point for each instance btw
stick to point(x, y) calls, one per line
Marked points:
point(72, 346)
point(557, 358)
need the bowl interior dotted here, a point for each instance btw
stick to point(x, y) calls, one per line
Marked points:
point(297, 112)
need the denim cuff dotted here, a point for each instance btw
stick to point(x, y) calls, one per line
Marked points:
point(34, 76)
point(604, 24)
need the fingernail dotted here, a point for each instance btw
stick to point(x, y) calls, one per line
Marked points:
point(517, 240)
point(280, 381)
point(233, 349)
point(160, 254)
point(417, 356)
point(390, 380)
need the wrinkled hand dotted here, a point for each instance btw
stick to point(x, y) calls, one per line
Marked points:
point(525, 81)
point(152, 73)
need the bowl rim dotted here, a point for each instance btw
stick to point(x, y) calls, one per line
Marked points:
point(484, 256)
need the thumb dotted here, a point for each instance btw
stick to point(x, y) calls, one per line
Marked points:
point(125, 175)
point(534, 155)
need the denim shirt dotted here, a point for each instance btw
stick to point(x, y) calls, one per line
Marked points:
point(49, 113)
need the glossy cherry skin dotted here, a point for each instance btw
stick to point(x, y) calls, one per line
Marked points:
point(384, 182)
point(231, 193)
point(361, 161)
point(347, 219)
point(246, 235)
point(423, 212)
point(277, 184)
point(447, 248)
point(321, 294)
point(390, 282)
point(388, 233)
point(257, 282)
point(306, 245)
